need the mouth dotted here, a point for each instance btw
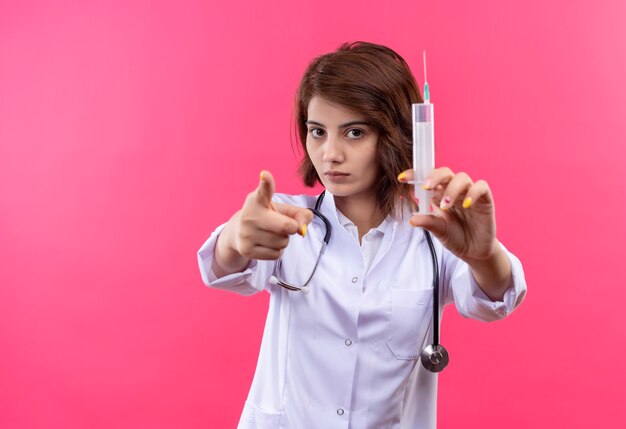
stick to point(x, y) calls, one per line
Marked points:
point(334, 174)
point(337, 177)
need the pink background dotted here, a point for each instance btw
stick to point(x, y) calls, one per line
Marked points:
point(129, 130)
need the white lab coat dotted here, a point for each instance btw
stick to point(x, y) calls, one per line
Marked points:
point(346, 355)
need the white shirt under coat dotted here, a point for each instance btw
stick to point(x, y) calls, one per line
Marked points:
point(346, 355)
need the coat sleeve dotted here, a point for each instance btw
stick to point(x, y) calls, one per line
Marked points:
point(251, 280)
point(460, 287)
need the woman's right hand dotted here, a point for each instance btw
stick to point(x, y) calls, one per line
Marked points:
point(260, 230)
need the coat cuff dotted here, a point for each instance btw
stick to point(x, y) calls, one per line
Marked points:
point(236, 282)
point(481, 307)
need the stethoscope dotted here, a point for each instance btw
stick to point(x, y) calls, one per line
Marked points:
point(434, 357)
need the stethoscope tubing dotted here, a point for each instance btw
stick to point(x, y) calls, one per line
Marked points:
point(434, 357)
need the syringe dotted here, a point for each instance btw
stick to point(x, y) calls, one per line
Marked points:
point(423, 147)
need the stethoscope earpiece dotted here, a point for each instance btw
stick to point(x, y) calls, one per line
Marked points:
point(435, 357)
point(277, 281)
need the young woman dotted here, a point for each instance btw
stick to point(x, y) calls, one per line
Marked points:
point(343, 352)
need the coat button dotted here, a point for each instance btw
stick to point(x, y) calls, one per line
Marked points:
point(355, 279)
point(348, 342)
point(340, 411)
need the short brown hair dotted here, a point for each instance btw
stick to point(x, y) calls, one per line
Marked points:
point(376, 82)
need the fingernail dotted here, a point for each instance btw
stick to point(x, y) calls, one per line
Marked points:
point(402, 176)
point(467, 202)
point(428, 184)
point(445, 202)
point(261, 176)
point(302, 230)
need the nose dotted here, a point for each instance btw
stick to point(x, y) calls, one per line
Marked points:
point(333, 152)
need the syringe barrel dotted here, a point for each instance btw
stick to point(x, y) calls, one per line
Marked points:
point(423, 151)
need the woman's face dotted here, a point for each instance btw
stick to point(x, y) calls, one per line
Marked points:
point(342, 146)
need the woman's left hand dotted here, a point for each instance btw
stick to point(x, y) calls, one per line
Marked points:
point(463, 217)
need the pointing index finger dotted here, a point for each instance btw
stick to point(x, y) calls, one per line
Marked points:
point(265, 190)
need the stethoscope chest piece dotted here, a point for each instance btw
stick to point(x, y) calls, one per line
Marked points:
point(435, 357)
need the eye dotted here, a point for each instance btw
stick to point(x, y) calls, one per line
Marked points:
point(355, 133)
point(316, 132)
